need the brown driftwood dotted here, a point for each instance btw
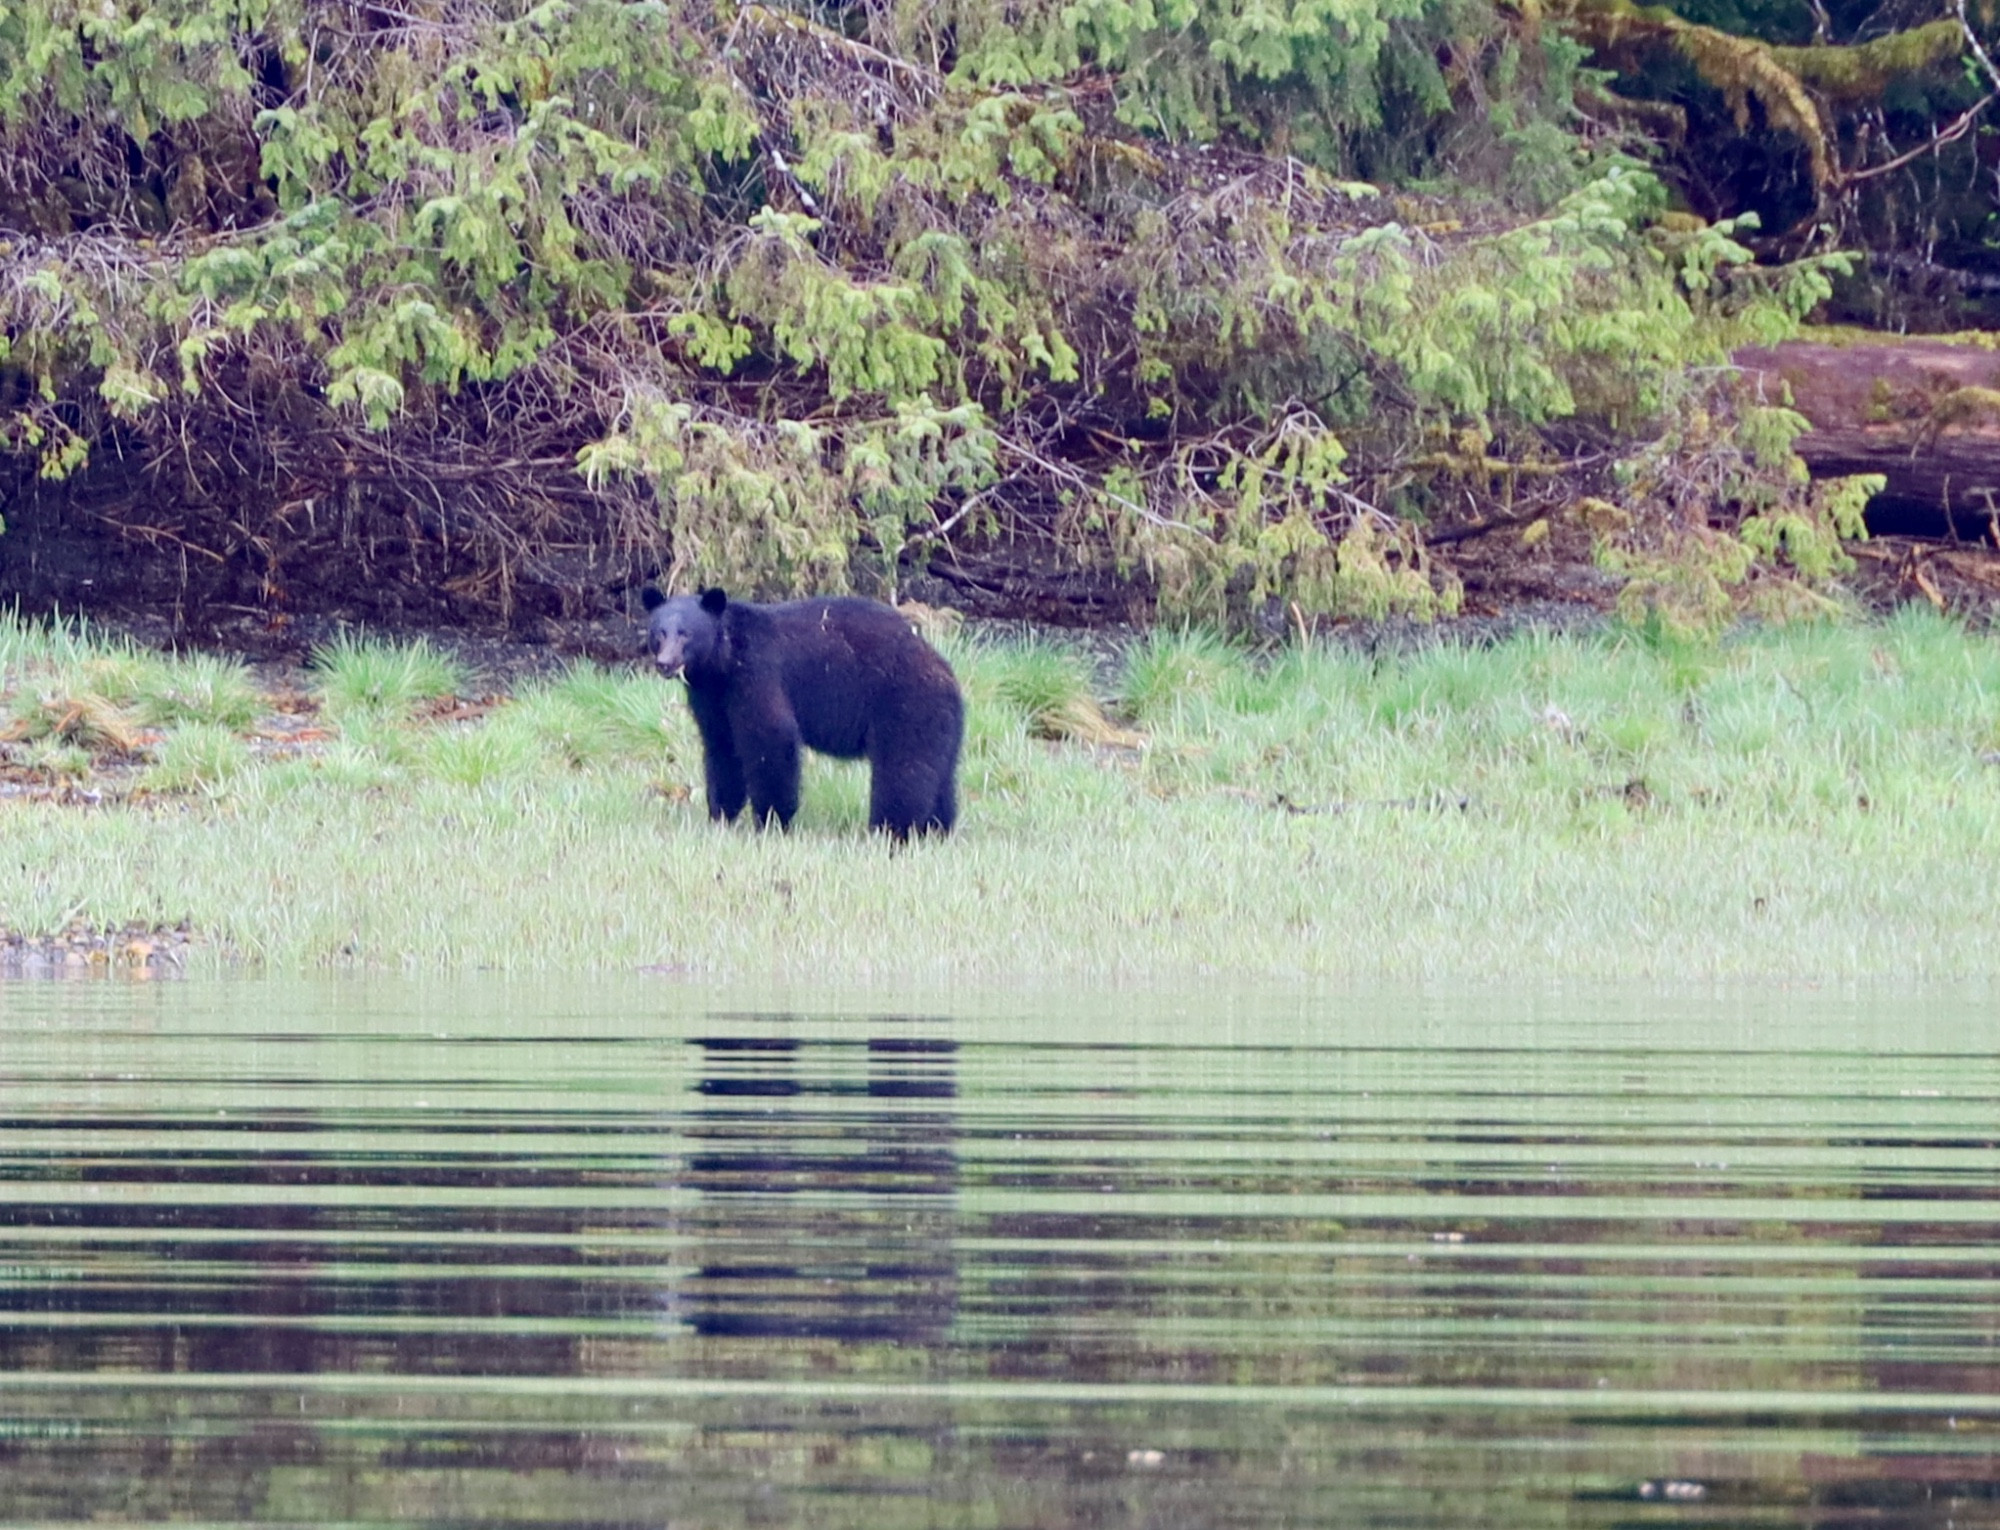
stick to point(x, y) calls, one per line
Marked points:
point(1923, 413)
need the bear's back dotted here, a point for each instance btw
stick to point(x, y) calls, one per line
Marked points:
point(847, 664)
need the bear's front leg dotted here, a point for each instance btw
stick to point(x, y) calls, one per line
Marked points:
point(766, 734)
point(726, 791)
point(774, 782)
point(721, 765)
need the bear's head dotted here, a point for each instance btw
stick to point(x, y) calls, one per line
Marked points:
point(685, 633)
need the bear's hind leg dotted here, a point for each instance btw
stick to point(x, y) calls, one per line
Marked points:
point(944, 813)
point(944, 806)
point(903, 796)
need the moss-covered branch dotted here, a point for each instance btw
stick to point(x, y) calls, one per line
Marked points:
point(1789, 84)
point(1862, 73)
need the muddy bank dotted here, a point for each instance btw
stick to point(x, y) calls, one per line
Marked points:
point(62, 553)
point(137, 952)
point(109, 542)
point(110, 545)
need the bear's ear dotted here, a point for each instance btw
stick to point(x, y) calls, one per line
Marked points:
point(713, 600)
point(651, 598)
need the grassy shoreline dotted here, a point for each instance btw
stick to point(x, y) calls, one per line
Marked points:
point(1815, 802)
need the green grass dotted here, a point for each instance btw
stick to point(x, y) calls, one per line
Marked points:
point(1807, 803)
point(29, 645)
point(64, 682)
point(63, 709)
point(65, 685)
point(478, 756)
point(52, 757)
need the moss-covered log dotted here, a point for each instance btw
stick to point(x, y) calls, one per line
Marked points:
point(1922, 412)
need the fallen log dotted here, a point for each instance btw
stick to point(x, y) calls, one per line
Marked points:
point(1923, 412)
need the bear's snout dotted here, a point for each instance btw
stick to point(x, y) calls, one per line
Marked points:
point(671, 655)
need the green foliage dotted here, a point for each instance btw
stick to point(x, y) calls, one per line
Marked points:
point(781, 508)
point(1718, 516)
point(729, 293)
point(1195, 68)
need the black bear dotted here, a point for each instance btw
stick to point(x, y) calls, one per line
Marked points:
point(847, 677)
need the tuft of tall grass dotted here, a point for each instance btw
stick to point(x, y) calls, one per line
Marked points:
point(115, 671)
point(348, 766)
point(365, 675)
point(201, 687)
point(28, 643)
point(66, 685)
point(593, 716)
point(58, 708)
point(479, 755)
point(384, 737)
point(1048, 687)
point(1168, 669)
point(196, 757)
point(54, 758)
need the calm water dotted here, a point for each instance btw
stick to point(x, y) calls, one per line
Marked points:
point(637, 1254)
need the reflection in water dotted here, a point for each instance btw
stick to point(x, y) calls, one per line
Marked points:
point(826, 1206)
point(306, 1256)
